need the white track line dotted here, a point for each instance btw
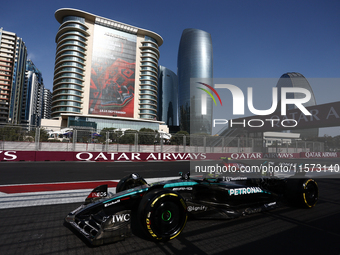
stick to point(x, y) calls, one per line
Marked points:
point(18, 200)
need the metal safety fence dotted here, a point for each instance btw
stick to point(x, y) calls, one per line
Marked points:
point(24, 138)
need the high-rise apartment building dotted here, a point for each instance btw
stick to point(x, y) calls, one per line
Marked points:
point(21, 83)
point(32, 96)
point(195, 60)
point(105, 72)
point(47, 104)
point(18, 82)
point(7, 62)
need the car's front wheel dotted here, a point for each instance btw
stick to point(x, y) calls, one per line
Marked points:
point(163, 214)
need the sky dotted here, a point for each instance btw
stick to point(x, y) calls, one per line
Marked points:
point(251, 39)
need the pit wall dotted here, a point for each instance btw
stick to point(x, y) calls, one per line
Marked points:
point(9, 156)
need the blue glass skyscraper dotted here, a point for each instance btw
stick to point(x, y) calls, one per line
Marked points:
point(297, 80)
point(195, 60)
point(167, 106)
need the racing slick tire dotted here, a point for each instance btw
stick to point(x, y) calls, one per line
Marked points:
point(129, 182)
point(163, 214)
point(303, 192)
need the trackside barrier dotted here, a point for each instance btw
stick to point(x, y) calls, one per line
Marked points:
point(8, 156)
point(17, 156)
point(54, 156)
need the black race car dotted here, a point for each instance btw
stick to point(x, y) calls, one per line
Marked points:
point(161, 209)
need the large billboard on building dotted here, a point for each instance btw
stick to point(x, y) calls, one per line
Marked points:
point(112, 73)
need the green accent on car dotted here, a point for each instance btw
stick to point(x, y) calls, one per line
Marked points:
point(179, 184)
point(166, 216)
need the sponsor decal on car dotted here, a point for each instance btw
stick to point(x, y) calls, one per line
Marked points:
point(183, 188)
point(238, 178)
point(112, 203)
point(245, 191)
point(197, 208)
point(120, 218)
point(270, 204)
point(98, 194)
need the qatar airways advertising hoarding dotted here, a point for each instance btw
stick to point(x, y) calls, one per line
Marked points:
point(112, 73)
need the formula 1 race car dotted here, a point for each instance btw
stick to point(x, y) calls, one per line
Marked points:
point(161, 209)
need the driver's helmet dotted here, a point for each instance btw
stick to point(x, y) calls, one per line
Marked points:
point(225, 159)
point(213, 175)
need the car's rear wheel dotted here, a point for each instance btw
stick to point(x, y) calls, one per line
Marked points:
point(302, 192)
point(310, 193)
point(163, 214)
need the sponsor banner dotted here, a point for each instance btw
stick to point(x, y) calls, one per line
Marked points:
point(136, 156)
point(319, 155)
point(17, 156)
point(281, 155)
point(234, 156)
point(8, 156)
point(53, 156)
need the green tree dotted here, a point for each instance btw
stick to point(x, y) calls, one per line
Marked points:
point(177, 139)
point(128, 137)
point(112, 135)
point(147, 136)
point(11, 133)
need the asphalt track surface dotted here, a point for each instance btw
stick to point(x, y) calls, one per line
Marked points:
point(286, 230)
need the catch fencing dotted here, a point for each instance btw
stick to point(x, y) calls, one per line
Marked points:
point(23, 138)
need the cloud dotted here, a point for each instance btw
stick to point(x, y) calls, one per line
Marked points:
point(30, 56)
